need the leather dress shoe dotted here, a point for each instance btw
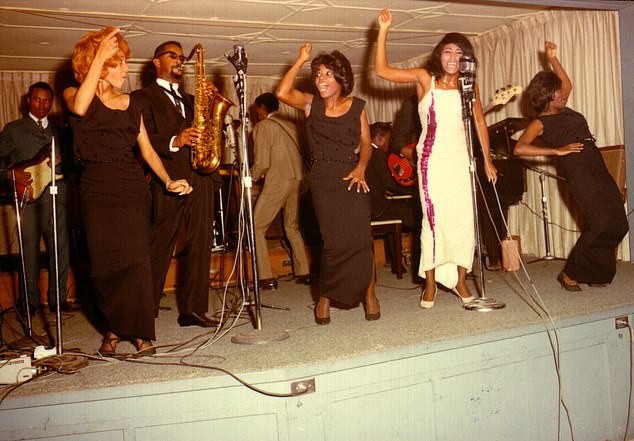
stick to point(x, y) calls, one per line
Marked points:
point(65, 306)
point(268, 283)
point(197, 319)
point(304, 280)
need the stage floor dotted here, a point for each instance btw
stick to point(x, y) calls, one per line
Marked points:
point(402, 324)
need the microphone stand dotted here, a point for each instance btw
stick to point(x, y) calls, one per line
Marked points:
point(256, 336)
point(18, 218)
point(546, 223)
point(467, 90)
point(53, 192)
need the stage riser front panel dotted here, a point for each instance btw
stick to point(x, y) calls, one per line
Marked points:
point(500, 386)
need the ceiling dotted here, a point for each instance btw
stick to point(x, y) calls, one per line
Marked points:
point(38, 35)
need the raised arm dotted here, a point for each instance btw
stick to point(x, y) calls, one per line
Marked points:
point(78, 99)
point(419, 76)
point(551, 54)
point(286, 91)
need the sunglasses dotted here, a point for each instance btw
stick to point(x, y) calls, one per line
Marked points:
point(173, 56)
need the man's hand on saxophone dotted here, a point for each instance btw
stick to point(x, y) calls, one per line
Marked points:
point(188, 136)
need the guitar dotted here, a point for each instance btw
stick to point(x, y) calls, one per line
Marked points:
point(502, 96)
point(404, 171)
point(40, 171)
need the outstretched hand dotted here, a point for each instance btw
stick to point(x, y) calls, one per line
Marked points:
point(385, 18)
point(574, 147)
point(357, 176)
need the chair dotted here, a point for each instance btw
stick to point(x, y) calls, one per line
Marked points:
point(393, 227)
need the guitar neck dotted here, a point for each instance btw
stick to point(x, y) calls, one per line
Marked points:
point(488, 107)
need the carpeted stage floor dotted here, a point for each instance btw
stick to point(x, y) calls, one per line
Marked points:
point(402, 323)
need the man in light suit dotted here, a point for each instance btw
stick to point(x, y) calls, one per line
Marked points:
point(278, 159)
point(167, 113)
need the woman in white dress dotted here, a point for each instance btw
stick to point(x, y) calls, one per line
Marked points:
point(447, 231)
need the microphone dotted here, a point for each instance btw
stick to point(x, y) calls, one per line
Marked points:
point(467, 66)
point(230, 133)
point(238, 58)
point(467, 77)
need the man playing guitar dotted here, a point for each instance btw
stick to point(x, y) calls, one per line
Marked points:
point(20, 143)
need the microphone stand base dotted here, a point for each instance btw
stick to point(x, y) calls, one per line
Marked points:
point(259, 337)
point(484, 304)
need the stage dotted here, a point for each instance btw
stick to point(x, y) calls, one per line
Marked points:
point(439, 374)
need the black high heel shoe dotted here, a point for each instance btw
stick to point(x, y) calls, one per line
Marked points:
point(321, 320)
point(371, 316)
point(572, 287)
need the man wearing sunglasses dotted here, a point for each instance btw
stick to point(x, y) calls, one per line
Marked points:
point(168, 113)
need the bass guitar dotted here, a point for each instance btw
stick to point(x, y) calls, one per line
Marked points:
point(404, 171)
point(40, 170)
point(502, 96)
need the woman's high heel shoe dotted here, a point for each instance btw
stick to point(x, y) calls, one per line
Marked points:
point(426, 304)
point(144, 347)
point(370, 316)
point(573, 287)
point(109, 346)
point(320, 320)
point(465, 300)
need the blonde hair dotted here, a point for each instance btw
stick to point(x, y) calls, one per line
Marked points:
point(86, 48)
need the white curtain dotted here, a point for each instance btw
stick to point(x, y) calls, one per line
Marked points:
point(588, 47)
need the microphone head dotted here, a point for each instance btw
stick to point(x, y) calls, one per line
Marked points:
point(467, 65)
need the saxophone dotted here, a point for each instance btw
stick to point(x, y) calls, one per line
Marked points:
point(209, 114)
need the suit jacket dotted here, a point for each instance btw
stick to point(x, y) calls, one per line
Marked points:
point(277, 154)
point(163, 120)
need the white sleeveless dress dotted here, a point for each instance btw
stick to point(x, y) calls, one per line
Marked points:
point(447, 233)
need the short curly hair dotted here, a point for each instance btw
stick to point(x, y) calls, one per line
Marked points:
point(86, 48)
point(541, 90)
point(339, 64)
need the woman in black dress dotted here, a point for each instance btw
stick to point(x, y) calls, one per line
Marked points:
point(336, 125)
point(115, 199)
point(566, 134)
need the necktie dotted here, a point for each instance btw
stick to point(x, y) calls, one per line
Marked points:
point(177, 99)
point(40, 125)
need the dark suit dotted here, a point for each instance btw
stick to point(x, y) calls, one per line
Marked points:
point(163, 121)
point(21, 140)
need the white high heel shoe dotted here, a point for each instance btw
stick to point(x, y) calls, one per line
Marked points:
point(465, 300)
point(426, 304)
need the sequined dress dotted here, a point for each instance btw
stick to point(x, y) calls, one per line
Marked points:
point(447, 231)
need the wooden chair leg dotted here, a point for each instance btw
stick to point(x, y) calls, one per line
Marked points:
point(398, 252)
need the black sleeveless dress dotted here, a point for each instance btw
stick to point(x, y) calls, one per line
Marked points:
point(593, 258)
point(344, 216)
point(115, 204)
